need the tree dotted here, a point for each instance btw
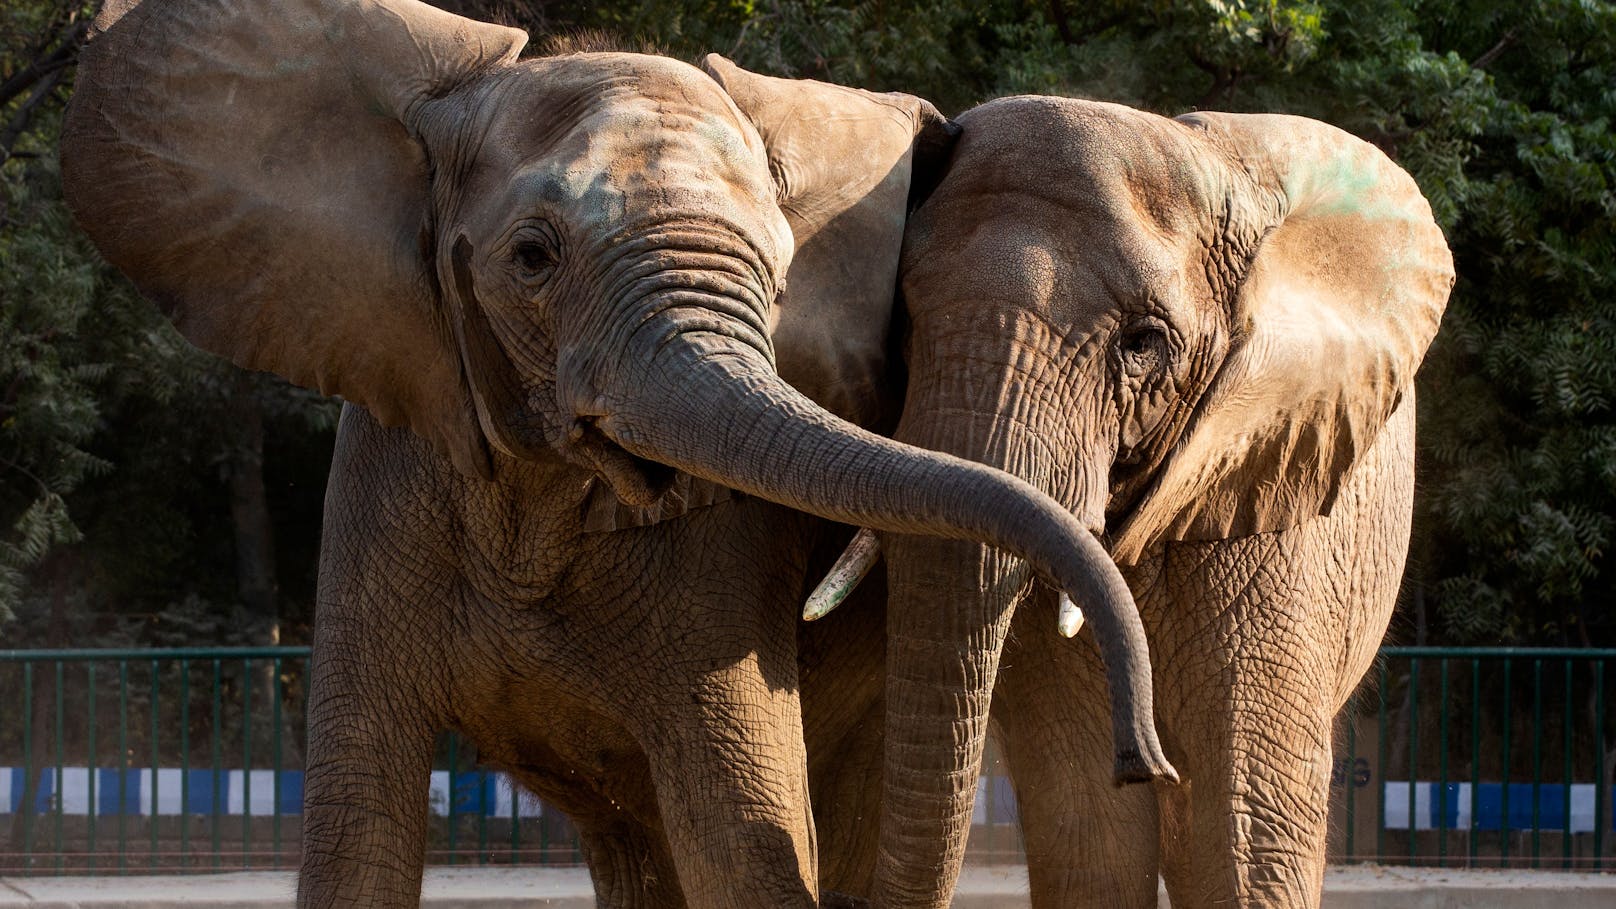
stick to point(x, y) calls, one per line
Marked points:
point(123, 448)
point(47, 287)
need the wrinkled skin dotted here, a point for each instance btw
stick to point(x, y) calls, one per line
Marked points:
point(1200, 336)
point(550, 290)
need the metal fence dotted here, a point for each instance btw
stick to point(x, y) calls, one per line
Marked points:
point(173, 760)
point(1478, 757)
point(178, 760)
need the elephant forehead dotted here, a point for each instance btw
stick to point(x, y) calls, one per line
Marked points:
point(1094, 160)
point(1015, 243)
point(610, 136)
point(635, 118)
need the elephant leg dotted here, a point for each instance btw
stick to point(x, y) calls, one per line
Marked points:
point(843, 666)
point(1248, 828)
point(1245, 690)
point(847, 806)
point(732, 791)
point(365, 791)
point(1258, 642)
point(1088, 842)
point(614, 814)
point(630, 866)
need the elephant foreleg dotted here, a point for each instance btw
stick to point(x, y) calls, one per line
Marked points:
point(630, 866)
point(1247, 693)
point(732, 791)
point(1088, 842)
point(365, 793)
point(843, 712)
point(1251, 831)
point(1261, 641)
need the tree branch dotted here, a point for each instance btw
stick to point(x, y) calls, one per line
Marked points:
point(1493, 52)
point(25, 113)
point(1223, 79)
point(64, 54)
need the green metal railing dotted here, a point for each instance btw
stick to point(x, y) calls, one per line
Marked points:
point(180, 760)
point(1478, 757)
point(126, 761)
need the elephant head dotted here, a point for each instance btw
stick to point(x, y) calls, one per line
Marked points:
point(575, 259)
point(1181, 329)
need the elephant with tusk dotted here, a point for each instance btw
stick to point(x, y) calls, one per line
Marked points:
point(1200, 336)
point(553, 291)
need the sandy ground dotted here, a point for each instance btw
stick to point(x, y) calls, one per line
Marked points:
point(1359, 887)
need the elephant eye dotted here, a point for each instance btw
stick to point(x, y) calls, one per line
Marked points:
point(1143, 347)
point(534, 251)
point(532, 257)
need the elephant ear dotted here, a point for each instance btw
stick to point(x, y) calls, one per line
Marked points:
point(848, 166)
point(1341, 300)
point(248, 165)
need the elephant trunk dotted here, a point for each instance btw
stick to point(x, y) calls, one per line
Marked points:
point(949, 611)
point(710, 404)
point(942, 657)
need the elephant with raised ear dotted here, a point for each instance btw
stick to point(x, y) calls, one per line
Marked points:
point(559, 280)
point(1200, 336)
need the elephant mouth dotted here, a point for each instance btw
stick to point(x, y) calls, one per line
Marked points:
point(636, 481)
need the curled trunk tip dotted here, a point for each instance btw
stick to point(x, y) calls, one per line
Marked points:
point(1134, 767)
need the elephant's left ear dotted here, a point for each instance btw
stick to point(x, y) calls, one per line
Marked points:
point(848, 166)
point(1340, 302)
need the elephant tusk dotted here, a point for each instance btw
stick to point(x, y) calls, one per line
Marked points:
point(1070, 619)
point(855, 562)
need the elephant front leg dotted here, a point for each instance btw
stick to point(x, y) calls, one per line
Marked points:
point(365, 791)
point(1247, 692)
point(732, 791)
point(1088, 842)
point(1248, 827)
point(629, 865)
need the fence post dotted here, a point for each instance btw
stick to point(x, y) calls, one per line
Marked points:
point(57, 782)
point(1537, 755)
point(156, 761)
point(276, 735)
point(91, 761)
point(1568, 774)
point(1442, 773)
point(1413, 756)
point(1475, 757)
point(1380, 773)
point(123, 764)
point(1600, 779)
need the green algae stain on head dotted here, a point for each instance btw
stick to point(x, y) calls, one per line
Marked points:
point(1347, 182)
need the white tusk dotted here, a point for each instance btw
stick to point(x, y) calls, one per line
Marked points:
point(856, 561)
point(1071, 617)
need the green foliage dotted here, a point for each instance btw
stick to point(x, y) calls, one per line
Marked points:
point(49, 371)
point(116, 436)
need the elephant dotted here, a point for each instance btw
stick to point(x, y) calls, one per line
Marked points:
point(575, 484)
point(1200, 336)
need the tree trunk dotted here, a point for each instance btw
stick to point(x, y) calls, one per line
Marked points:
point(256, 584)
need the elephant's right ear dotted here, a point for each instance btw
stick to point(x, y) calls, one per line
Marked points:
point(248, 165)
point(1343, 295)
point(848, 165)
